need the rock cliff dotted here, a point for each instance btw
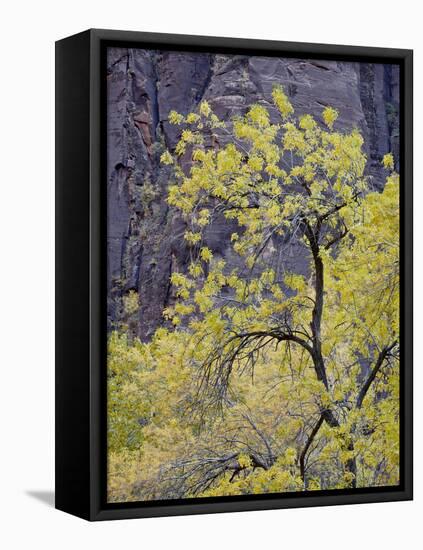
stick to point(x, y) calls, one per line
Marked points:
point(145, 236)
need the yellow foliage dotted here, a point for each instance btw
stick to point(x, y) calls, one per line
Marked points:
point(205, 109)
point(131, 302)
point(175, 118)
point(166, 158)
point(223, 401)
point(281, 101)
point(388, 161)
point(329, 116)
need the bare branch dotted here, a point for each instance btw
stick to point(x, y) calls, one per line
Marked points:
point(310, 439)
point(373, 373)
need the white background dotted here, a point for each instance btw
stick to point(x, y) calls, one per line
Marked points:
point(28, 32)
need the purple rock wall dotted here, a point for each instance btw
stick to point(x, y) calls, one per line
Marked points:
point(145, 236)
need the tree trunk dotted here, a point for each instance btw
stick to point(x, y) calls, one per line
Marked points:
point(327, 415)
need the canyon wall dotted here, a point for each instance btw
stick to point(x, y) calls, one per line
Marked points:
point(145, 235)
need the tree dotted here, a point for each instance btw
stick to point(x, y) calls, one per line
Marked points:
point(320, 407)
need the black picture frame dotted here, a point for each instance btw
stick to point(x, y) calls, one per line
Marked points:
point(81, 267)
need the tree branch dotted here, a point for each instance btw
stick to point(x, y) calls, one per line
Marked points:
point(373, 373)
point(313, 236)
point(337, 208)
point(280, 336)
point(337, 238)
point(308, 443)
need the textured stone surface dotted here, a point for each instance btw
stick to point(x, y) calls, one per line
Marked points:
point(145, 237)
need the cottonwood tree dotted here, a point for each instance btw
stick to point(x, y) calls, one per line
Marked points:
point(290, 379)
point(294, 180)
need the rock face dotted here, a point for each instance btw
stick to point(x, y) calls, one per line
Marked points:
point(145, 236)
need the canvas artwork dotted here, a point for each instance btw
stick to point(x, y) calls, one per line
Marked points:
point(252, 275)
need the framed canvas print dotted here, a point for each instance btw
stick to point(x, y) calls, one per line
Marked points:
point(234, 275)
